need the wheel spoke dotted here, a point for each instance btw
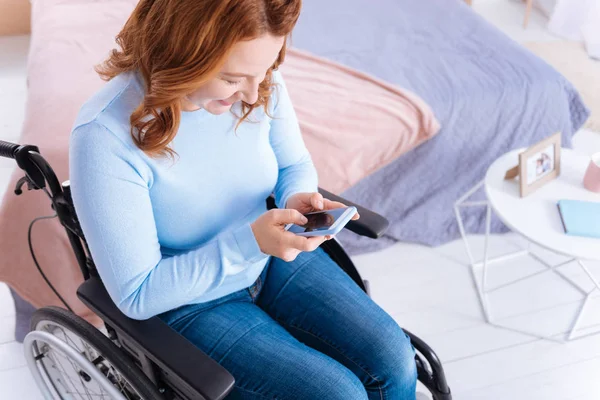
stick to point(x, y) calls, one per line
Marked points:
point(67, 339)
point(67, 382)
point(58, 366)
point(120, 380)
point(68, 376)
point(87, 390)
point(94, 395)
point(75, 368)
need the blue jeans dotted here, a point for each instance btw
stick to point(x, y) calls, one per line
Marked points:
point(303, 330)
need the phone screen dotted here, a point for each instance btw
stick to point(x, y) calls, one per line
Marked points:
point(319, 221)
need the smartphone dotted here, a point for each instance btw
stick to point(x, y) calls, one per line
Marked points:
point(321, 223)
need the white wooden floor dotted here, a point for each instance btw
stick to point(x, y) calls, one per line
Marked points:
point(428, 290)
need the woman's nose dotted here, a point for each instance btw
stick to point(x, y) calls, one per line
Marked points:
point(251, 92)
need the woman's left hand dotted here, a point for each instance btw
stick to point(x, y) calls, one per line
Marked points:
point(310, 202)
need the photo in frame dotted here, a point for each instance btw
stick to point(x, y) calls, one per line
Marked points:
point(538, 165)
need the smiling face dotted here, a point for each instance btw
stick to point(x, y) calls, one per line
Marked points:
point(238, 79)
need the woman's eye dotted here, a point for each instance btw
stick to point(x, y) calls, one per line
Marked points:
point(231, 82)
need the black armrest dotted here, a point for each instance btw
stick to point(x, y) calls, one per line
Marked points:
point(184, 365)
point(369, 224)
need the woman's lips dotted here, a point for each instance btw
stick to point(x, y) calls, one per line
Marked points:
point(224, 103)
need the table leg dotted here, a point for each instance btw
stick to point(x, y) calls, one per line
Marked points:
point(488, 222)
point(585, 301)
point(481, 287)
point(459, 203)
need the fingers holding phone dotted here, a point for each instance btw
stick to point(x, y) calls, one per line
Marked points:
point(270, 232)
point(307, 202)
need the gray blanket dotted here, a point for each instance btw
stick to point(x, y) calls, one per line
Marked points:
point(490, 94)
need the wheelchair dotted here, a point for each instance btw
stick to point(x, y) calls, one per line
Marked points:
point(130, 359)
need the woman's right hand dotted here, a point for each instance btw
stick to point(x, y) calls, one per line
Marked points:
point(272, 238)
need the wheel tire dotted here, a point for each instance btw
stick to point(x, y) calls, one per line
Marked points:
point(103, 345)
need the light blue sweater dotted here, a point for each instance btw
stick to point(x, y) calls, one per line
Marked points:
point(165, 233)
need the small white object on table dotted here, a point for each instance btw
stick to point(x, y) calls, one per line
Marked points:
point(535, 217)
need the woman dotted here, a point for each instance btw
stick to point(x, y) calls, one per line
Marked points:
point(171, 163)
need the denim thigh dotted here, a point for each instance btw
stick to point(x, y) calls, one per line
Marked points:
point(266, 361)
point(318, 303)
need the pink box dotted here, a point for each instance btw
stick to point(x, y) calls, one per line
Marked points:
point(591, 180)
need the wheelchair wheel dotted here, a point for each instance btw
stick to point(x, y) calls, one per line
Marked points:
point(71, 359)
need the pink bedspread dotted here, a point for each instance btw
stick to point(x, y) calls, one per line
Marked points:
point(353, 124)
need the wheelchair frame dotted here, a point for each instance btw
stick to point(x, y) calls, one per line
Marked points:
point(195, 376)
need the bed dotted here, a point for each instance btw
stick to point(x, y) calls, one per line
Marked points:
point(490, 95)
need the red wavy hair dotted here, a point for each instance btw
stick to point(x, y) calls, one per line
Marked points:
point(178, 45)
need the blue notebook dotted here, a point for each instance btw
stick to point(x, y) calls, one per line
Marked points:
point(580, 218)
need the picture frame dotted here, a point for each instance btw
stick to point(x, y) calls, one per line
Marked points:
point(538, 165)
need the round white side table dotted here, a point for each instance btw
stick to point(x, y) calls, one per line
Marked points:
point(536, 218)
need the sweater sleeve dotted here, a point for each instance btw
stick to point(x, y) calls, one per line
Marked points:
point(110, 186)
point(296, 170)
